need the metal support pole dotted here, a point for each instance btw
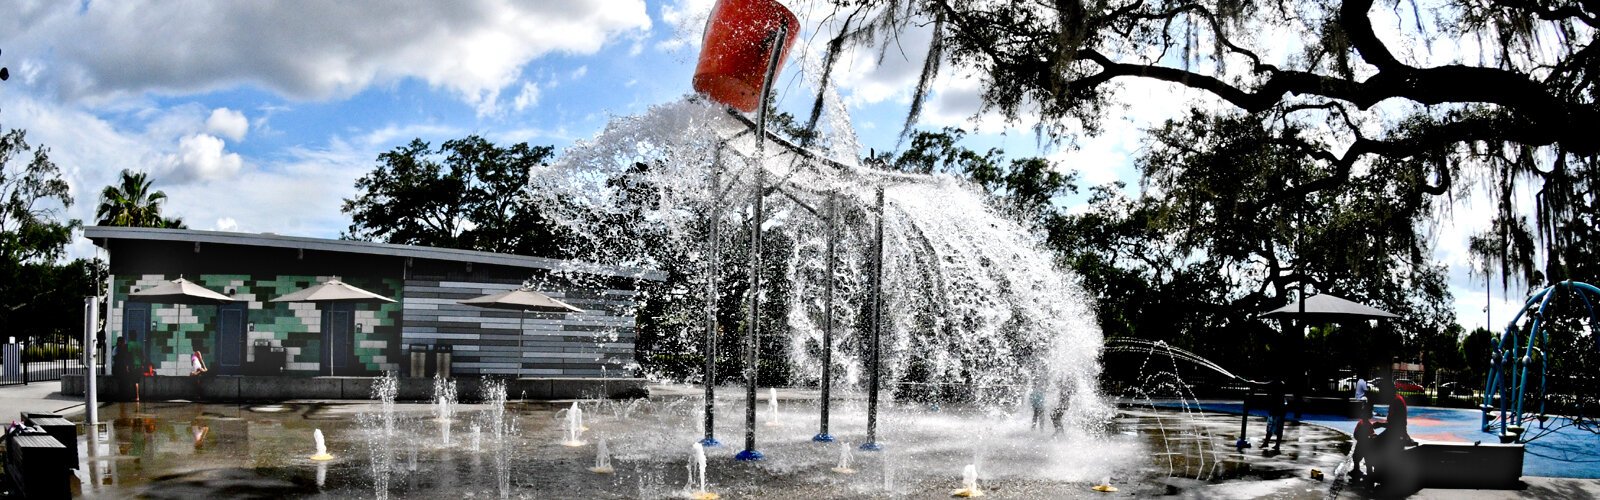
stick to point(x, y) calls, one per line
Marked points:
point(1244, 423)
point(91, 320)
point(757, 217)
point(827, 325)
point(877, 331)
point(713, 261)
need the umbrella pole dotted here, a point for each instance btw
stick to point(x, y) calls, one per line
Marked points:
point(177, 331)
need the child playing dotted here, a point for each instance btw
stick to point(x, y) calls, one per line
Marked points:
point(1364, 434)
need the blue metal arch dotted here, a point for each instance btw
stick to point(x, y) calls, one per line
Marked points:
point(1513, 354)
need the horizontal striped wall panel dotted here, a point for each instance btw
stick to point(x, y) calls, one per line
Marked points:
point(487, 341)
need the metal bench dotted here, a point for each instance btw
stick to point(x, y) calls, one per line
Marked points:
point(63, 430)
point(38, 464)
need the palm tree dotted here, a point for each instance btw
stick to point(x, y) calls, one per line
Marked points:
point(133, 204)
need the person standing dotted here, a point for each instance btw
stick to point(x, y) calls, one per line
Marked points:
point(122, 368)
point(1058, 415)
point(1036, 399)
point(1277, 409)
point(1364, 435)
point(1361, 388)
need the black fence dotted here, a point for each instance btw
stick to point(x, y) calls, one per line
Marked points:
point(39, 360)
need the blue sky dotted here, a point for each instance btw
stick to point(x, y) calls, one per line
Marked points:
point(259, 117)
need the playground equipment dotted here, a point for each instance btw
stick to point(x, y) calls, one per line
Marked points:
point(734, 64)
point(1517, 387)
point(745, 45)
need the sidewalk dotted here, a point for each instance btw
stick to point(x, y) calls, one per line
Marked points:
point(38, 397)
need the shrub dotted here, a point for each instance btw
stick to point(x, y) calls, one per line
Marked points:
point(51, 352)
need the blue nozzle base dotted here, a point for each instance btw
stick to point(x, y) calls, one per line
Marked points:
point(749, 456)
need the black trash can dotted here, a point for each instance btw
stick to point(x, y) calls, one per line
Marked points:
point(419, 361)
point(442, 360)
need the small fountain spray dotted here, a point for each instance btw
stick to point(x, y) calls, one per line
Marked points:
point(477, 437)
point(602, 459)
point(381, 447)
point(1105, 486)
point(697, 468)
point(444, 407)
point(969, 483)
point(888, 475)
point(844, 460)
point(574, 427)
point(444, 399)
point(772, 407)
point(494, 393)
point(322, 447)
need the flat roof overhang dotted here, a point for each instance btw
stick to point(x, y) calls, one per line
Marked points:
point(100, 234)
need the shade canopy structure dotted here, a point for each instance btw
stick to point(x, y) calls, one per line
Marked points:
point(179, 291)
point(521, 299)
point(333, 291)
point(1324, 307)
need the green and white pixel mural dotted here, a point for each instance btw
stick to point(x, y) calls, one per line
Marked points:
point(175, 331)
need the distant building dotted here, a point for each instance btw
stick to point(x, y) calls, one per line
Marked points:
point(362, 339)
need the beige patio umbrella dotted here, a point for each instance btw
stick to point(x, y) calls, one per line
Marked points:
point(521, 299)
point(179, 292)
point(333, 291)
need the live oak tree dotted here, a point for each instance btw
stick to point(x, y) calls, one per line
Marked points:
point(1516, 106)
point(39, 294)
point(468, 193)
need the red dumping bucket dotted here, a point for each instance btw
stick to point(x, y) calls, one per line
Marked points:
point(733, 60)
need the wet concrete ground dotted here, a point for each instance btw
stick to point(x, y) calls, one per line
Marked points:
point(182, 450)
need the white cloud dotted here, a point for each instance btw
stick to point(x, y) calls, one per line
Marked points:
point(227, 123)
point(687, 19)
point(226, 224)
point(300, 195)
point(1469, 301)
point(867, 75)
point(303, 49)
point(578, 73)
point(89, 151)
point(201, 157)
point(392, 134)
point(528, 97)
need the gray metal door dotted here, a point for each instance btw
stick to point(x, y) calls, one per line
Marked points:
point(230, 339)
point(136, 327)
point(338, 324)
